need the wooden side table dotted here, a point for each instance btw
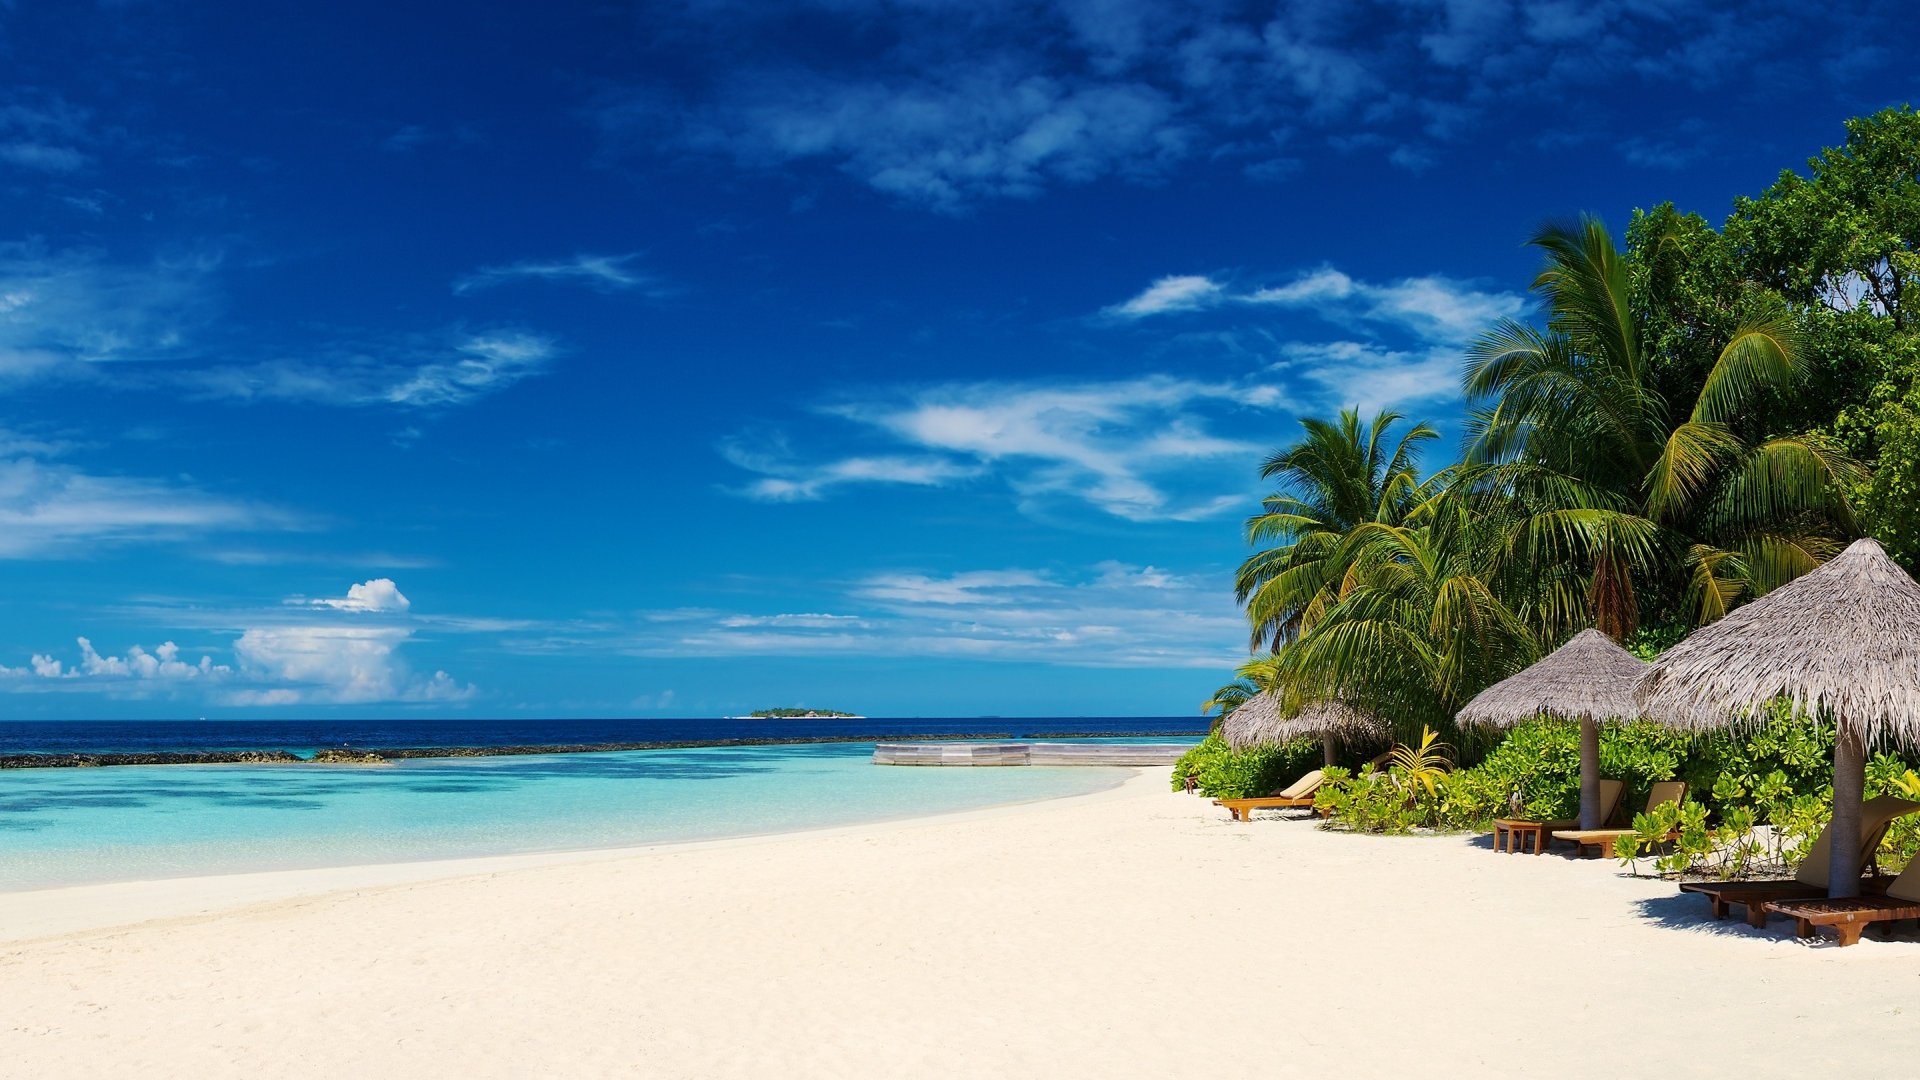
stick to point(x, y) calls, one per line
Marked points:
point(1514, 832)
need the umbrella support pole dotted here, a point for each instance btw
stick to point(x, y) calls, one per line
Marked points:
point(1590, 774)
point(1326, 746)
point(1849, 792)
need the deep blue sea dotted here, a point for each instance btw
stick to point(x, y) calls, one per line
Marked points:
point(305, 736)
point(79, 826)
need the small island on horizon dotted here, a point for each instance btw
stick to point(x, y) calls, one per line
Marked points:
point(798, 714)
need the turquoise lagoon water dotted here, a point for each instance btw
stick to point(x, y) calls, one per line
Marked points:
point(127, 823)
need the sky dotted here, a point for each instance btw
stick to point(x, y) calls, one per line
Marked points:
point(911, 358)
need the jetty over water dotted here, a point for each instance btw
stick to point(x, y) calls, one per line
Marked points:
point(1027, 753)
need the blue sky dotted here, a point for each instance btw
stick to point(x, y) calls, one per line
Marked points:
point(911, 358)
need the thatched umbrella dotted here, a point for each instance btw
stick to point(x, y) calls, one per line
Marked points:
point(1588, 679)
point(1841, 643)
point(1264, 719)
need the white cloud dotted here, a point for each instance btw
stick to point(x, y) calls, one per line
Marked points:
point(1184, 292)
point(603, 273)
point(327, 652)
point(43, 133)
point(77, 314)
point(334, 665)
point(50, 510)
point(953, 104)
point(1110, 615)
point(1431, 307)
point(408, 374)
point(68, 313)
point(936, 137)
point(1131, 448)
point(972, 587)
point(1370, 378)
point(163, 664)
point(379, 594)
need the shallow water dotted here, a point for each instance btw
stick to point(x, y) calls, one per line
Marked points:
point(79, 826)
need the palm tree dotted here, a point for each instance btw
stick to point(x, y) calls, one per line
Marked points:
point(1419, 626)
point(1339, 477)
point(1253, 678)
point(1599, 487)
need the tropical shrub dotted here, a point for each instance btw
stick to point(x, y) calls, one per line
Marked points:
point(1221, 772)
point(1418, 789)
point(1748, 768)
point(1537, 766)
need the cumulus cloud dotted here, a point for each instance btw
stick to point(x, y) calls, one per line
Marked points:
point(379, 594)
point(334, 665)
point(335, 651)
point(602, 273)
point(163, 663)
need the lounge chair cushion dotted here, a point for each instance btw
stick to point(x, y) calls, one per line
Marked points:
point(1302, 787)
point(1875, 815)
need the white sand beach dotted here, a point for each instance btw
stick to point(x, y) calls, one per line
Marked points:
point(1128, 933)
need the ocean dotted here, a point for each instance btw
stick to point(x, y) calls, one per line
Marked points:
point(71, 826)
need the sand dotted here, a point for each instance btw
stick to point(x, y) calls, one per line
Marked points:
point(1128, 933)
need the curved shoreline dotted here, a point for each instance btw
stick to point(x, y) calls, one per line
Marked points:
point(61, 911)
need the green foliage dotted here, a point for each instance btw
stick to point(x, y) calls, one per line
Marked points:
point(1536, 770)
point(1790, 756)
point(1393, 802)
point(1340, 476)
point(1539, 763)
point(1418, 789)
point(1224, 773)
point(1891, 503)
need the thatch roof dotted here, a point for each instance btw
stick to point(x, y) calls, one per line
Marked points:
point(1589, 677)
point(1261, 720)
point(1841, 642)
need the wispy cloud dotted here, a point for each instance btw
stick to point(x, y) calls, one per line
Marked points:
point(43, 133)
point(1431, 307)
point(1128, 448)
point(1107, 615)
point(603, 273)
point(54, 510)
point(1180, 292)
point(967, 102)
point(408, 374)
point(78, 315)
point(63, 313)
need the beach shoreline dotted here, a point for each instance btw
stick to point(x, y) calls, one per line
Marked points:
point(1128, 932)
point(36, 914)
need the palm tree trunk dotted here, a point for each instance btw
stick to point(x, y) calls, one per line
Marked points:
point(1326, 745)
point(1849, 792)
point(1590, 774)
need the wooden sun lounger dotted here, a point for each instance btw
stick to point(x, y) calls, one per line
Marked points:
point(1666, 791)
point(1242, 809)
point(1296, 795)
point(1876, 815)
point(1848, 916)
point(1755, 896)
